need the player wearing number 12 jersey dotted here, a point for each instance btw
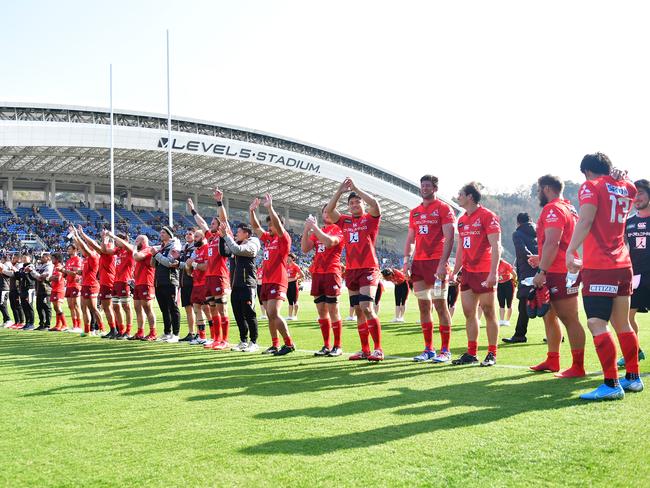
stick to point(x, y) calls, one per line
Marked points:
point(277, 245)
point(478, 254)
point(327, 243)
point(607, 272)
point(360, 231)
point(431, 229)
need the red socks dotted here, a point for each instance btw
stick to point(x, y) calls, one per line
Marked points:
point(363, 335)
point(288, 341)
point(606, 350)
point(374, 328)
point(337, 329)
point(325, 331)
point(629, 342)
point(552, 363)
point(472, 348)
point(225, 328)
point(445, 335)
point(427, 332)
point(128, 329)
point(275, 341)
point(86, 328)
point(201, 331)
point(492, 348)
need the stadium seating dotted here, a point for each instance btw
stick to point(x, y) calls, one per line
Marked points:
point(89, 214)
point(24, 212)
point(5, 214)
point(71, 215)
point(49, 214)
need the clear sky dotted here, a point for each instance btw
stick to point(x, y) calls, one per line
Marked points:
point(496, 91)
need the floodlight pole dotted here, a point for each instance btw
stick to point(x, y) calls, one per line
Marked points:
point(112, 158)
point(169, 146)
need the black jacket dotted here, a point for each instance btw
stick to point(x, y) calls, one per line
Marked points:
point(525, 241)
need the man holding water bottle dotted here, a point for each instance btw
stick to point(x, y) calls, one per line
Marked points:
point(554, 230)
point(606, 273)
point(431, 230)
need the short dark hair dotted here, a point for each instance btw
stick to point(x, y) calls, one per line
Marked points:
point(554, 182)
point(523, 218)
point(353, 195)
point(430, 178)
point(191, 229)
point(472, 189)
point(280, 218)
point(72, 245)
point(58, 256)
point(245, 227)
point(597, 163)
point(643, 185)
point(293, 256)
point(387, 272)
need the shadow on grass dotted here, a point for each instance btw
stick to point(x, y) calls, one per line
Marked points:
point(93, 366)
point(487, 401)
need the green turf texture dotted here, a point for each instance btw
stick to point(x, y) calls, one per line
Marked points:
point(91, 412)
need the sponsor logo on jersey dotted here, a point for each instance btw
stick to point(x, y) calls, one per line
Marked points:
point(572, 290)
point(642, 225)
point(617, 190)
point(603, 288)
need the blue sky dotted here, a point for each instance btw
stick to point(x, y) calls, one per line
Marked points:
point(500, 91)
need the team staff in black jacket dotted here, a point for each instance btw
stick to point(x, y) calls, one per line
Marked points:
point(244, 246)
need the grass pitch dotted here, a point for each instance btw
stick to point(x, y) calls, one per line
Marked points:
point(91, 412)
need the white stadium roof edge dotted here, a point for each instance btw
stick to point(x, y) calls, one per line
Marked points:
point(67, 147)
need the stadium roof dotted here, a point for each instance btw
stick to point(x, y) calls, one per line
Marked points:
point(71, 144)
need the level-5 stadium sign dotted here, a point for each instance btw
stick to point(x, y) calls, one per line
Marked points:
point(243, 153)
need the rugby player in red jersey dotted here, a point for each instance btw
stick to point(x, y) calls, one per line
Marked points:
point(554, 230)
point(360, 229)
point(57, 282)
point(106, 277)
point(144, 292)
point(606, 272)
point(71, 272)
point(277, 245)
point(401, 290)
point(505, 291)
point(124, 266)
point(478, 254)
point(294, 276)
point(89, 282)
point(217, 276)
point(326, 281)
point(431, 230)
point(197, 267)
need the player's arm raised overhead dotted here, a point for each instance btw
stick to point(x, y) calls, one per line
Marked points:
point(119, 242)
point(255, 223)
point(200, 221)
point(104, 249)
point(92, 243)
point(333, 214)
point(275, 220)
point(77, 235)
point(373, 205)
point(218, 197)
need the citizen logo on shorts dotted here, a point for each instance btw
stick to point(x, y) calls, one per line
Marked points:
point(603, 288)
